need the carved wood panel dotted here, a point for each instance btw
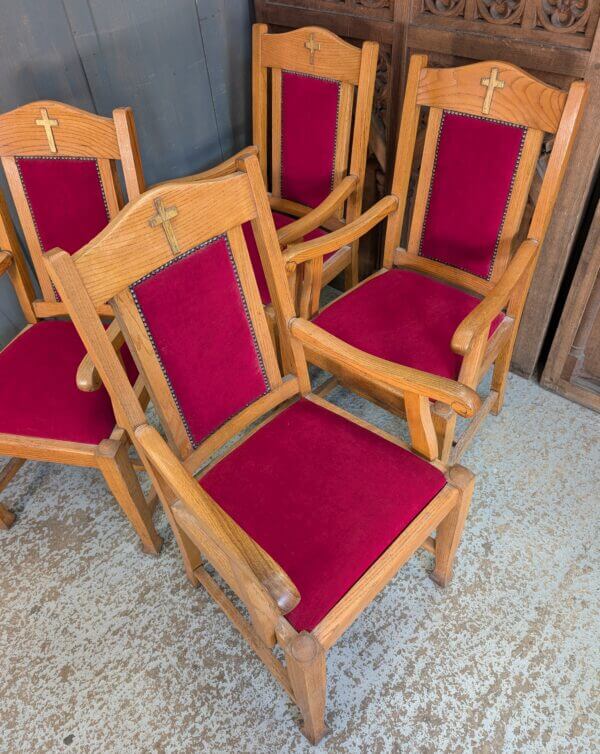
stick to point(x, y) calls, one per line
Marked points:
point(556, 40)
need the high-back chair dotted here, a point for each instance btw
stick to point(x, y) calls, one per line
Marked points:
point(313, 511)
point(451, 302)
point(312, 95)
point(60, 164)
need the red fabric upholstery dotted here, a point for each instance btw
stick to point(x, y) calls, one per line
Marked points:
point(309, 113)
point(280, 220)
point(404, 317)
point(471, 185)
point(38, 393)
point(66, 199)
point(323, 497)
point(198, 321)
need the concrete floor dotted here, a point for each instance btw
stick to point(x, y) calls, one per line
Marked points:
point(107, 650)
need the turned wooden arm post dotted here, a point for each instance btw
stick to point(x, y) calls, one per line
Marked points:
point(88, 379)
point(471, 336)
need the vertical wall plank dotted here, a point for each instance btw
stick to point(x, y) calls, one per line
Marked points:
point(183, 65)
point(152, 55)
point(38, 60)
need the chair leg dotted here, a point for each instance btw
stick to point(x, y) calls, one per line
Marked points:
point(114, 463)
point(449, 531)
point(305, 663)
point(7, 518)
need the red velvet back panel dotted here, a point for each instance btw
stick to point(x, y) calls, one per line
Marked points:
point(309, 116)
point(197, 318)
point(66, 199)
point(474, 170)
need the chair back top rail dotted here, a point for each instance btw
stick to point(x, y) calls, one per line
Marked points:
point(60, 165)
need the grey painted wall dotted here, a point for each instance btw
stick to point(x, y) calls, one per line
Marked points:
point(183, 65)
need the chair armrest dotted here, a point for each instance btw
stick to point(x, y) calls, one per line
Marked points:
point(489, 307)
point(215, 523)
point(6, 259)
point(224, 168)
point(317, 216)
point(303, 252)
point(462, 399)
point(88, 379)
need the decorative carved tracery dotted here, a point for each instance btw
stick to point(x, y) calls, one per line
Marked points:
point(501, 11)
point(564, 16)
point(446, 7)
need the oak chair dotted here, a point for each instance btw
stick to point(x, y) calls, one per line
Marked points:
point(312, 511)
point(321, 94)
point(60, 164)
point(450, 303)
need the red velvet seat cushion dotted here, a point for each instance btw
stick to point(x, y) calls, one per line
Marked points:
point(38, 393)
point(403, 317)
point(280, 220)
point(323, 497)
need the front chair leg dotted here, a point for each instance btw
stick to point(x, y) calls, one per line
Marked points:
point(7, 518)
point(449, 531)
point(114, 463)
point(305, 663)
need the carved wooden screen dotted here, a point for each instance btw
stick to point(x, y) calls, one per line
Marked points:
point(555, 40)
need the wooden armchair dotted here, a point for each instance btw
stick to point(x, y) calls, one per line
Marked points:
point(451, 302)
point(321, 93)
point(312, 511)
point(60, 163)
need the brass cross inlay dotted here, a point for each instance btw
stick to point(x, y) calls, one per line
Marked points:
point(312, 46)
point(492, 82)
point(48, 124)
point(163, 217)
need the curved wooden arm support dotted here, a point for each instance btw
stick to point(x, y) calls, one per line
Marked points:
point(224, 168)
point(6, 259)
point(460, 398)
point(221, 528)
point(88, 379)
point(488, 309)
point(303, 252)
point(317, 216)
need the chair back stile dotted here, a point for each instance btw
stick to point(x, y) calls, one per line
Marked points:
point(60, 165)
point(485, 128)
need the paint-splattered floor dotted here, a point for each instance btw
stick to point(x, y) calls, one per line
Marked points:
point(106, 650)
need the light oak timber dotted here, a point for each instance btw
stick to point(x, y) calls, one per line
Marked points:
point(203, 531)
point(523, 100)
point(452, 33)
point(53, 129)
